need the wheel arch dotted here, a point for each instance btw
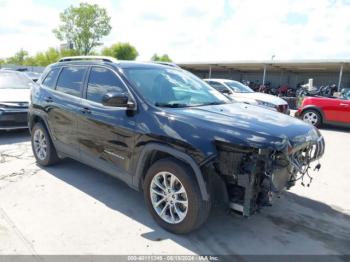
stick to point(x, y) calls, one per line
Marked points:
point(33, 119)
point(153, 152)
point(38, 118)
point(315, 108)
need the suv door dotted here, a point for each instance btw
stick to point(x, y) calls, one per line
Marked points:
point(342, 113)
point(336, 110)
point(345, 105)
point(105, 134)
point(62, 105)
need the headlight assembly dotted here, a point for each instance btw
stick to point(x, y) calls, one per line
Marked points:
point(267, 104)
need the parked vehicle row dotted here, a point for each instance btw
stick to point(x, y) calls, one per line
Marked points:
point(318, 105)
point(165, 132)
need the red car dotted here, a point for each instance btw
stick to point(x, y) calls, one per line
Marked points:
point(325, 110)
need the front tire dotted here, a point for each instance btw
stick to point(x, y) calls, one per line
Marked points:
point(173, 197)
point(312, 117)
point(42, 146)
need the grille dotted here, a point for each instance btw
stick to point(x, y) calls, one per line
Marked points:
point(8, 119)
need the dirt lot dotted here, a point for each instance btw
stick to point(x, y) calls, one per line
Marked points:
point(73, 209)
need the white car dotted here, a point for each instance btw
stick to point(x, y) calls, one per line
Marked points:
point(14, 99)
point(244, 94)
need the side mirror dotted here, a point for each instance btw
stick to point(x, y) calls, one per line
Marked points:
point(114, 99)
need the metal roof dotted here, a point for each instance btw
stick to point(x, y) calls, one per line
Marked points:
point(297, 66)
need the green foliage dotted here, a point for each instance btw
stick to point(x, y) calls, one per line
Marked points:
point(29, 61)
point(163, 58)
point(84, 26)
point(121, 51)
point(2, 61)
point(48, 57)
point(18, 58)
point(68, 52)
point(51, 55)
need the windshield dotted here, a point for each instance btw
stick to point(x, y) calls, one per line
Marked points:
point(11, 80)
point(238, 87)
point(345, 94)
point(170, 87)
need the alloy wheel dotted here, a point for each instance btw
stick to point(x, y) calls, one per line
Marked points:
point(310, 117)
point(169, 197)
point(40, 144)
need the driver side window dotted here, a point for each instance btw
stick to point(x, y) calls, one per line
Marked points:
point(102, 81)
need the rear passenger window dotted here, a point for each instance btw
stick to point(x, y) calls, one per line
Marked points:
point(50, 79)
point(70, 80)
point(102, 81)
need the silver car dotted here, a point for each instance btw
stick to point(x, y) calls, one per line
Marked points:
point(244, 94)
point(14, 99)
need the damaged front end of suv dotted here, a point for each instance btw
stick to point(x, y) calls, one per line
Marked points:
point(254, 176)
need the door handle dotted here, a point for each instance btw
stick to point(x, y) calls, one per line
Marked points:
point(86, 110)
point(48, 99)
point(343, 104)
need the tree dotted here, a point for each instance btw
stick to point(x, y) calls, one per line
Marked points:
point(51, 55)
point(44, 58)
point(47, 57)
point(83, 26)
point(163, 58)
point(18, 58)
point(68, 52)
point(121, 51)
point(30, 61)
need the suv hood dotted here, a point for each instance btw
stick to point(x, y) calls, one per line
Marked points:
point(249, 125)
point(14, 95)
point(262, 97)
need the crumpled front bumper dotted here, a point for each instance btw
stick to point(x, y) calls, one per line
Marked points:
point(320, 147)
point(254, 177)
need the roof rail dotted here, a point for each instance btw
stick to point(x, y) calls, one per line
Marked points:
point(77, 58)
point(166, 63)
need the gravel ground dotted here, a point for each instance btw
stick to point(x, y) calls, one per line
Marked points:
point(73, 209)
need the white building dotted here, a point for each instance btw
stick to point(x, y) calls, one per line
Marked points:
point(278, 72)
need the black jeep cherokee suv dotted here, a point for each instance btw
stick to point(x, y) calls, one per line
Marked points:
point(166, 132)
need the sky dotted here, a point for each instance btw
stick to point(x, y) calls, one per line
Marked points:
point(194, 30)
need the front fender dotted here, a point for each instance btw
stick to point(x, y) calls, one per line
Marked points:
point(313, 107)
point(148, 148)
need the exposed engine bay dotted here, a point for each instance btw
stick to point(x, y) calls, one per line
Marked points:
point(253, 177)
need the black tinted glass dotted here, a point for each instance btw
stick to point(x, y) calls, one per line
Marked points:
point(102, 81)
point(50, 79)
point(70, 80)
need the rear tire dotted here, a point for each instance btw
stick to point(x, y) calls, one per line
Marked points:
point(179, 213)
point(42, 146)
point(312, 117)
